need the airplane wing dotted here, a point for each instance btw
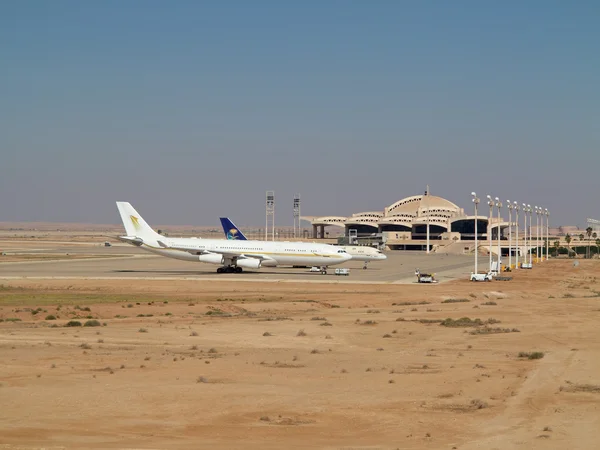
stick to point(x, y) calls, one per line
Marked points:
point(193, 251)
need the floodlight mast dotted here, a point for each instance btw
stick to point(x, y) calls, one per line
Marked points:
point(489, 230)
point(525, 229)
point(427, 199)
point(547, 232)
point(475, 202)
point(510, 207)
point(537, 234)
point(529, 210)
point(516, 206)
point(499, 205)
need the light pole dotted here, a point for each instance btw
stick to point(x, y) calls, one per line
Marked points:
point(510, 207)
point(530, 235)
point(475, 202)
point(489, 230)
point(516, 206)
point(541, 212)
point(427, 195)
point(498, 205)
point(547, 232)
point(534, 237)
point(525, 229)
point(537, 233)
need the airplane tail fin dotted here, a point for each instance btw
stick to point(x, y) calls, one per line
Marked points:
point(231, 231)
point(134, 223)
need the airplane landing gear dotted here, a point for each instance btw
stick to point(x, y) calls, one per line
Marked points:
point(324, 270)
point(229, 269)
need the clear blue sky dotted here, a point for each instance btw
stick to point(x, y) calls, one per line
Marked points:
point(192, 109)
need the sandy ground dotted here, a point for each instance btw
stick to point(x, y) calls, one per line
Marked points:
point(217, 364)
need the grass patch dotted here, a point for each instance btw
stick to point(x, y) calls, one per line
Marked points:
point(462, 322)
point(274, 319)
point(326, 324)
point(367, 322)
point(467, 322)
point(215, 312)
point(531, 355)
point(48, 297)
point(12, 319)
point(456, 300)
point(568, 296)
point(478, 404)
point(73, 323)
point(142, 330)
point(574, 387)
point(497, 330)
point(319, 318)
point(430, 320)
point(50, 317)
point(92, 323)
point(490, 303)
point(301, 333)
point(411, 303)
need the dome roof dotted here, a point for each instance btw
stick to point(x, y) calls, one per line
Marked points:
point(417, 203)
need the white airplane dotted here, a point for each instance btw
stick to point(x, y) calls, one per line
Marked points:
point(358, 252)
point(364, 253)
point(230, 255)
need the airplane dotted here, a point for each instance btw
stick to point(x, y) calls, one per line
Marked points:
point(358, 252)
point(232, 256)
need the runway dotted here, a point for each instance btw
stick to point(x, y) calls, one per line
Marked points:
point(127, 262)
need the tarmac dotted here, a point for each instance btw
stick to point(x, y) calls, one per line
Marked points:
point(126, 262)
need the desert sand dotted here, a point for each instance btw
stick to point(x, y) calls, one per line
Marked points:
point(229, 364)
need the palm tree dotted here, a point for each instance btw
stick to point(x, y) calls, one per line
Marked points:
point(557, 246)
point(568, 241)
point(598, 245)
point(588, 231)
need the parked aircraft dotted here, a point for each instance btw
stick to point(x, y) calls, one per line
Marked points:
point(230, 255)
point(358, 252)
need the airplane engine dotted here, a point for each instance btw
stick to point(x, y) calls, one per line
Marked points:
point(211, 258)
point(249, 263)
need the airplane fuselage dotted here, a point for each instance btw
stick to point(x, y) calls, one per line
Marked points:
point(218, 251)
point(364, 253)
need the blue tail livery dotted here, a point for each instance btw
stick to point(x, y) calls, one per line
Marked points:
point(231, 231)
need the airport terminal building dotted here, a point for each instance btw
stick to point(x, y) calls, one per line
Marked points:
point(403, 225)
